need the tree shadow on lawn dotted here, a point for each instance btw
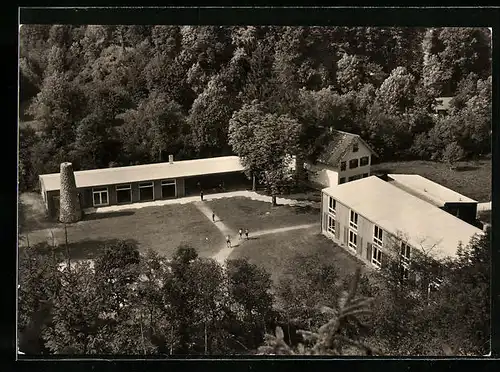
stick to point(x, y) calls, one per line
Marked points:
point(465, 168)
point(83, 249)
point(304, 209)
point(100, 216)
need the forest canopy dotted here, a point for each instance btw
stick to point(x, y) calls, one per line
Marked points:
point(102, 96)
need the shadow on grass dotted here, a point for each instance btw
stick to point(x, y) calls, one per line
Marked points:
point(81, 250)
point(465, 168)
point(100, 216)
point(303, 209)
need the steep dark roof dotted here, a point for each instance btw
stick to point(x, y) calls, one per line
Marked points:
point(337, 146)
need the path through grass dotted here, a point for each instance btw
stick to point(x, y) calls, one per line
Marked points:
point(254, 215)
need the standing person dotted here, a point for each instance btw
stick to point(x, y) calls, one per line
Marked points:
point(240, 232)
point(201, 195)
point(228, 241)
point(246, 233)
point(213, 216)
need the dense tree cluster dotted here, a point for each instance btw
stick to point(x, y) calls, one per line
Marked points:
point(146, 304)
point(127, 303)
point(101, 96)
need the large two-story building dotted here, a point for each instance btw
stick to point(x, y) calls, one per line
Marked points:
point(375, 220)
point(347, 157)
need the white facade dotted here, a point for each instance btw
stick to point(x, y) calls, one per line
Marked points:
point(371, 218)
point(352, 165)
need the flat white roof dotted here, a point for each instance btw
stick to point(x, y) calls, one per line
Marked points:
point(428, 189)
point(399, 212)
point(147, 172)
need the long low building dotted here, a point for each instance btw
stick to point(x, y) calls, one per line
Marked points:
point(122, 185)
point(372, 218)
point(442, 197)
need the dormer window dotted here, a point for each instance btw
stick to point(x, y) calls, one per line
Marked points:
point(355, 147)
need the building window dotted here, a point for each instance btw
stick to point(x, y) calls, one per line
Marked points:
point(332, 205)
point(353, 163)
point(435, 283)
point(353, 239)
point(376, 257)
point(378, 236)
point(123, 194)
point(365, 175)
point(342, 165)
point(146, 191)
point(342, 180)
point(405, 273)
point(100, 196)
point(364, 161)
point(353, 222)
point(168, 189)
point(331, 225)
point(355, 147)
point(405, 254)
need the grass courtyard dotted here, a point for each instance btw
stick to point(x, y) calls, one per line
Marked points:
point(160, 228)
point(288, 251)
point(471, 178)
point(164, 228)
point(257, 215)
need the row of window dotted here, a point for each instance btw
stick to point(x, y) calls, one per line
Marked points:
point(377, 241)
point(354, 163)
point(376, 258)
point(353, 178)
point(100, 196)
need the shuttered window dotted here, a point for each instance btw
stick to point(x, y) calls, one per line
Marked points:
point(331, 225)
point(376, 257)
point(377, 236)
point(353, 240)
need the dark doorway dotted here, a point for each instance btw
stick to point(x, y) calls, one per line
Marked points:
point(216, 183)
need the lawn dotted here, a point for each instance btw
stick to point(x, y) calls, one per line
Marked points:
point(285, 252)
point(32, 213)
point(472, 178)
point(161, 228)
point(484, 216)
point(254, 215)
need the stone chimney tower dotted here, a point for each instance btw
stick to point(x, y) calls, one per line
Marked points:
point(69, 204)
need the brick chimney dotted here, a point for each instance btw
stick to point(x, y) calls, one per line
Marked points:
point(171, 159)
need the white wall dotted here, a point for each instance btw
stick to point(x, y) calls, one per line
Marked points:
point(323, 175)
point(363, 151)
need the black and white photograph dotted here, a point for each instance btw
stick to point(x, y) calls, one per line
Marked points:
point(253, 190)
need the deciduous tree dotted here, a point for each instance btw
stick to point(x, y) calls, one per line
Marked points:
point(264, 142)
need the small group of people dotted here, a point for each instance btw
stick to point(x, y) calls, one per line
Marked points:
point(240, 232)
